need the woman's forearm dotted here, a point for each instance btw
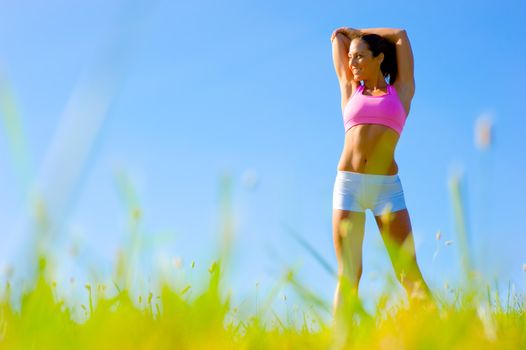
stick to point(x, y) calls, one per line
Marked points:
point(391, 34)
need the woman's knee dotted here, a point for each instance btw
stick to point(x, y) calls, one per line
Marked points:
point(353, 272)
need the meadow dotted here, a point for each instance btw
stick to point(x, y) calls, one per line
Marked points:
point(471, 316)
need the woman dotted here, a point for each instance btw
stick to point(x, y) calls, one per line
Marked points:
point(374, 114)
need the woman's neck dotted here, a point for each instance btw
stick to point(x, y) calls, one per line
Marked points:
point(374, 86)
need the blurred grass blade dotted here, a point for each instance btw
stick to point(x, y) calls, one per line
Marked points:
point(460, 225)
point(14, 130)
point(326, 266)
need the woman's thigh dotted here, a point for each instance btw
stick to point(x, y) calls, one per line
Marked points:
point(348, 235)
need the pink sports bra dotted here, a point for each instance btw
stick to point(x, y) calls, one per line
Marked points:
point(386, 110)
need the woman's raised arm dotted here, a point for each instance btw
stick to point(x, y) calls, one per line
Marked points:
point(340, 58)
point(392, 34)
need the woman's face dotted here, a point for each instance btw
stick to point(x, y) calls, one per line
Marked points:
point(361, 61)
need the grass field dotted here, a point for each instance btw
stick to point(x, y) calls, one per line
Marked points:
point(470, 317)
point(172, 320)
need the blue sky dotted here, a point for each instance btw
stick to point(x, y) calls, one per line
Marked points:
point(175, 94)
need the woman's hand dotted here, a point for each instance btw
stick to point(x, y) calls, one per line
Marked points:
point(347, 31)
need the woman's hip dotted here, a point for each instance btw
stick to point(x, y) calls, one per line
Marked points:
point(359, 191)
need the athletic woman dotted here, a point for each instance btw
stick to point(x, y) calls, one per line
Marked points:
point(374, 114)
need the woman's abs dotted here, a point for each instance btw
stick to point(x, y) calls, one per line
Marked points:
point(369, 149)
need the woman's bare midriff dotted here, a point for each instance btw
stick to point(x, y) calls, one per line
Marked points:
point(369, 149)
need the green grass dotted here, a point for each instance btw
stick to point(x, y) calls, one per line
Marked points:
point(186, 317)
point(173, 320)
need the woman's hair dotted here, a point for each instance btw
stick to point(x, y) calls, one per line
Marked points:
point(377, 44)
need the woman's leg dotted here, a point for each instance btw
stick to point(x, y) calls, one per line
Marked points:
point(348, 234)
point(395, 229)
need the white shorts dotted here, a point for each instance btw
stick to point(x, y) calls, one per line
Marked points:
point(359, 191)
